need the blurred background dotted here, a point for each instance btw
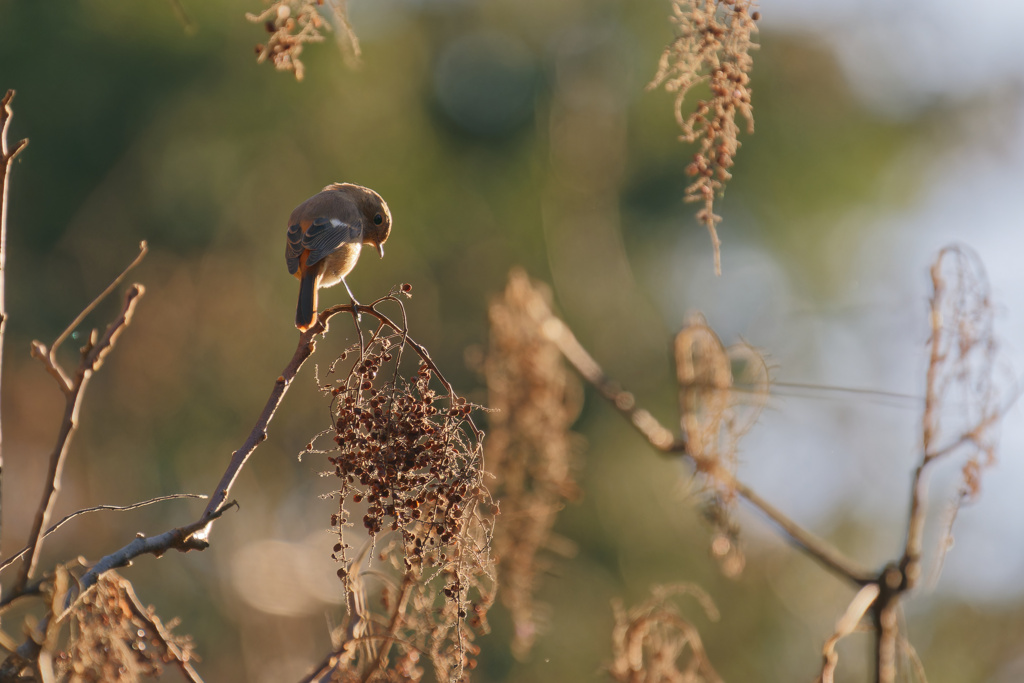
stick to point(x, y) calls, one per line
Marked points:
point(519, 132)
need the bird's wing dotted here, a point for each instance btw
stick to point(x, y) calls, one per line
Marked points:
point(322, 238)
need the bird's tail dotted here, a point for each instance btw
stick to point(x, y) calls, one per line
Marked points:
point(305, 313)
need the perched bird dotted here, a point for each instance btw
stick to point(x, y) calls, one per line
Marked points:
point(325, 235)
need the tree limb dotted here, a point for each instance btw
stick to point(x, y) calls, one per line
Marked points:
point(99, 508)
point(665, 441)
point(93, 354)
point(7, 156)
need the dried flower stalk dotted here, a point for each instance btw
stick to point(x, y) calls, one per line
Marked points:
point(294, 23)
point(530, 448)
point(713, 46)
point(655, 643)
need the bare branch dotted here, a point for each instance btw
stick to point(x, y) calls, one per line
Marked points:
point(305, 349)
point(663, 440)
point(623, 401)
point(99, 508)
point(182, 538)
point(143, 250)
point(146, 615)
point(92, 358)
point(7, 156)
point(961, 367)
point(810, 544)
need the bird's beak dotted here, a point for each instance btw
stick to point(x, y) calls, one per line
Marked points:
point(380, 250)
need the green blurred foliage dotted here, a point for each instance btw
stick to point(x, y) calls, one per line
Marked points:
point(462, 115)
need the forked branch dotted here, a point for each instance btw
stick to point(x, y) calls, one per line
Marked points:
point(93, 354)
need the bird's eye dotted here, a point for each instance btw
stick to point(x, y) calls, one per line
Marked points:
point(378, 219)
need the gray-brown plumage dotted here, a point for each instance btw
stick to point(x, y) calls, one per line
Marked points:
point(325, 235)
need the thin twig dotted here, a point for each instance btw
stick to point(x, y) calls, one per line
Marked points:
point(332, 660)
point(169, 646)
point(813, 546)
point(6, 160)
point(93, 355)
point(183, 538)
point(99, 508)
point(393, 626)
point(143, 250)
point(33, 589)
point(305, 349)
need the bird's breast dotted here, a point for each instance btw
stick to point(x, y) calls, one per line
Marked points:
point(339, 264)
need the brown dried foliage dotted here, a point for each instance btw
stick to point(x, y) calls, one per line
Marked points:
point(654, 643)
point(294, 23)
point(114, 639)
point(412, 458)
point(965, 392)
point(721, 394)
point(961, 369)
point(530, 448)
point(713, 46)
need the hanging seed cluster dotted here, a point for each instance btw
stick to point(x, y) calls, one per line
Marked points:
point(655, 641)
point(530, 449)
point(410, 455)
point(292, 24)
point(410, 465)
point(713, 45)
point(114, 642)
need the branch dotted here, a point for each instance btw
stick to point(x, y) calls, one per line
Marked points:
point(811, 545)
point(258, 435)
point(194, 536)
point(420, 350)
point(166, 640)
point(6, 160)
point(143, 250)
point(92, 358)
point(99, 508)
point(333, 659)
point(846, 625)
point(182, 538)
point(663, 440)
point(305, 349)
point(559, 333)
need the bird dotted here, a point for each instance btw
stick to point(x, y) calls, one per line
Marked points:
point(325, 235)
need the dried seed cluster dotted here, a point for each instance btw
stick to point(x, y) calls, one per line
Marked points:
point(406, 453)
point(654, 642)
point(114, 641)
point(713, 46)
point(530, 449)
point(409, 458)
point(721, 394)
point(293, 23)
